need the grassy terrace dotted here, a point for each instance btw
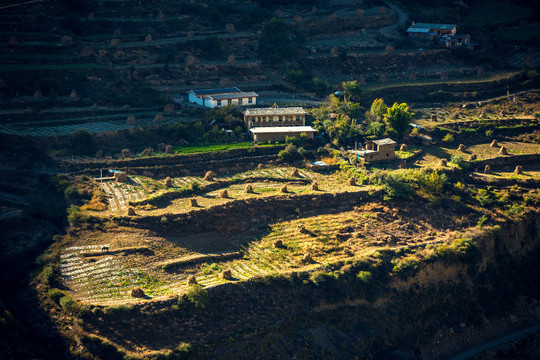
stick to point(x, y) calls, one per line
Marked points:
point(34, 67)
point(420, 82)
point(194, 149)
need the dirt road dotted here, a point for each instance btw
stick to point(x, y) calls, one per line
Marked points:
point(389, 31)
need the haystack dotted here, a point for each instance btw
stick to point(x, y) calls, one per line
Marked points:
point(284, 189)
point(13, 41)
point(148, 151)
point(260, 166)
point(494, 143)
point(402, 164)
point(352, 181)
point(168, 182)
point(443, 163)
point(501, 114)
point(472, 157)
point(73, 94)
point(307, 258)
point(295, 173)
point(168, 149)
point(193, 202)
point(158, 117)
point(38, 94)
point(137, 292)
point(231, 59)
point(462, 148)
point(224, 194)
point(114, 43)
point(130, 120)
point(229, 28)
point(503, 151)
point(126, 153)
point(209, 176)
point(383, 78)
point(120, 176)
point(148, 38)
point(99, 154)
point(226, 274)
point(278, 244)
point(249, 189)
point(131, 211)
point(519, 170)
point(315, 186)
point(169, 108)
point(192, 280)
point(433, 117)
point(487, 169)
point(403, 147)
point(161, 147)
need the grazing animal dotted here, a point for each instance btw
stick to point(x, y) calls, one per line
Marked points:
point(105, 248)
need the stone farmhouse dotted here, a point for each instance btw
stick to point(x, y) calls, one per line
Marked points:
point(377, 150)
point(213, 98)
point(276, 124)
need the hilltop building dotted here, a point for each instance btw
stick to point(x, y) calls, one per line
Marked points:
point(275, 123)
point(222, 97)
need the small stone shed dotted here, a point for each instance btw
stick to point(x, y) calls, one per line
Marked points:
point(377, 150)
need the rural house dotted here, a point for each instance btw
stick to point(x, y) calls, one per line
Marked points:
point(275, 123)
point(377, 150)
point(426, 31)
point(222, 97)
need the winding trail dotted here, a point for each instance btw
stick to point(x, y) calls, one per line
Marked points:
point(390, 31)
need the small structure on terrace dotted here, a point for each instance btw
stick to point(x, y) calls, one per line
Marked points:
point(222, 97)
point(427, 31)
point(377, 150)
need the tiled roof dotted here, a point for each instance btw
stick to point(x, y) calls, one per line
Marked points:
point(237, 95)
point(276, 111)
point(216, 91)
point(418, 30)
point(281, 129)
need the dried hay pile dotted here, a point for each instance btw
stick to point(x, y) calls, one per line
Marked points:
point(209, 176)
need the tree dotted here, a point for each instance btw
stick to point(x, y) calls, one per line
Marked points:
point(378, 109)
point(352, 91)
point(397, 119)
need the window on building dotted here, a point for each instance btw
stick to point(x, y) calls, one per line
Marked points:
point(229, 101)
point(250, 100)
point(219, 103)
point(240, 101)
point(279, 118)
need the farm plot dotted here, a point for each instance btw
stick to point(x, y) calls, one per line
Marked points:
point(120, 194)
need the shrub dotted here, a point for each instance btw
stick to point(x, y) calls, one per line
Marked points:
point(395, 187)
point(433, 182)
point(55, 294)
point(290, 153)
point(448, 138)
point(514, 210)
point(364, 276)
point(459, 161)
point(198, 295)
point(324, 279)
point(70, 305)
point(48, 275)
point(464, 250)
point(484, 197)
point(75, 216)
point(406, 267)
point(481, 221)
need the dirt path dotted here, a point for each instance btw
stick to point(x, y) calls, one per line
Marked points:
point(389, 31)
point(495, 343)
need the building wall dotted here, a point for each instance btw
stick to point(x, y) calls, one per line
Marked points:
point(210, 103)
point(278, 136)
point(385, 153)
point(275, 120)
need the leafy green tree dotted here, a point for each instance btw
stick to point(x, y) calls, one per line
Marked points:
point(378, 109)
point(397, 119)
point(343, 130)
point(352, 91)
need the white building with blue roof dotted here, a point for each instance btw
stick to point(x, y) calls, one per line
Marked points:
point(213, 98)
point(429, 31)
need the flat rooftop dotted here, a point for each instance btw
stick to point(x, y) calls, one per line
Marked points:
point(293, 110)
point(237, 95)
